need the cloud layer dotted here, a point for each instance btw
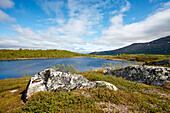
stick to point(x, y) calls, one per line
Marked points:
point(154, 26)
point(71, 23)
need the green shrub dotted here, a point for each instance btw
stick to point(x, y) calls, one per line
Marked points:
point(104, 65)
point(110, 65)
point(69, 68)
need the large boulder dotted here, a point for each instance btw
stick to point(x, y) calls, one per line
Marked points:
point(53, 80)
point(150, 75)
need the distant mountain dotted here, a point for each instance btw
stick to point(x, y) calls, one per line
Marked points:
point(159, 46)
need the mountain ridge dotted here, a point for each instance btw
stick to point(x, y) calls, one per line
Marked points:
point(158, 46)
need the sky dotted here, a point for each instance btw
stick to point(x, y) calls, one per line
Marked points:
point(82, 26)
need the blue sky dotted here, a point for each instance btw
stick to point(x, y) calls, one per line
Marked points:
point(81, 25)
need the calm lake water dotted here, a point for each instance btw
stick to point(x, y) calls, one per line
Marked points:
point(17, 68)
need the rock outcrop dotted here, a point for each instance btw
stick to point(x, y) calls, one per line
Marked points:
point(53, 80)
point(143, 74)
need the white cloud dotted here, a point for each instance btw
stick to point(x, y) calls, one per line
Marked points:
point(83, 15)
point(25, 33)
point(52, 21)
point(67, 33)
point(164, 6)
point(88, 47)
point(48, 39)
point(126, 7)
point(117, 21)
point(133, 18)
point(6, 4)
point(154, 26)
point(5, 17)
point(51, 6)
point(114, 12)
point(151, 1)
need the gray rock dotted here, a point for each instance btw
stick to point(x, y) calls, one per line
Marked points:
point(109, 68)
point(163, 77)
point(143, 74)
point(53, 80)
point(105, 72)
point(106, 85)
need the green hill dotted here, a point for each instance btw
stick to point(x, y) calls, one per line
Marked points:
point(6, 54)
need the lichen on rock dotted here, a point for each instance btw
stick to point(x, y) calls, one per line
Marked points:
point(53, 80)
point(150, 75)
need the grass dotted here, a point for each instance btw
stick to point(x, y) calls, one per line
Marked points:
point(11, 100)
point(131, 97)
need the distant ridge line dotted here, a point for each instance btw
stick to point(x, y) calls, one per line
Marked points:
point(158, 46)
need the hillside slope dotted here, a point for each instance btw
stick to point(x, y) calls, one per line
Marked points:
point(159, 46)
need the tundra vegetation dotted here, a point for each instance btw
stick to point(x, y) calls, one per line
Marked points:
point(131, 97)
point(135, 57)
point(6, 54)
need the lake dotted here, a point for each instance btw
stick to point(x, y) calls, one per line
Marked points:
point(17, 68)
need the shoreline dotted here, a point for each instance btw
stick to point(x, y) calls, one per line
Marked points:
point(109, 58)
point(38, 58)
point(14, 59)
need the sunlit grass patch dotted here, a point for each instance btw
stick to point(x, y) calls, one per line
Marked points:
point(11, 100)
